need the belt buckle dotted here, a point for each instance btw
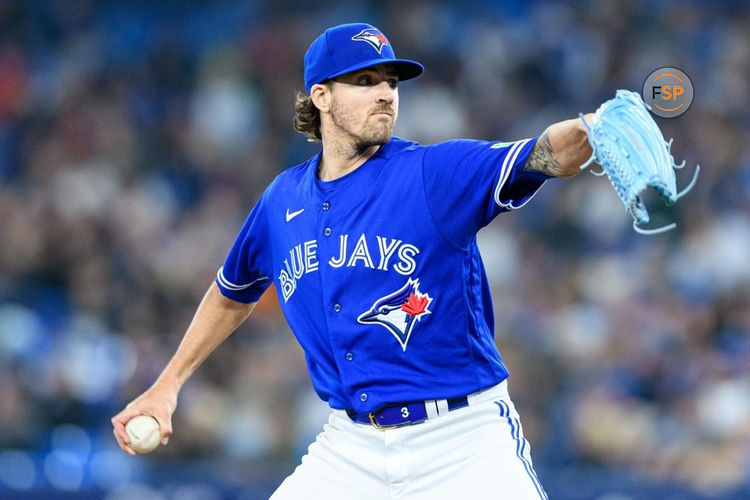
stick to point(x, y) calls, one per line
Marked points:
point(377, 425)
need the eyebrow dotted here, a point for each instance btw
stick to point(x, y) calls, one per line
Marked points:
point(390, 71)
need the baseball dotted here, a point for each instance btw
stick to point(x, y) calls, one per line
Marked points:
point(144, 433)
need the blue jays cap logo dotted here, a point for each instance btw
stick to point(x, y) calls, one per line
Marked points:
point(398, 311)
point(373, 37)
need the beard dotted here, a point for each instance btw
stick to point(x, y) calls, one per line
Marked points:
point(375, 131)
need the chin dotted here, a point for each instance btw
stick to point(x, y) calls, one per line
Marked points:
point(382, 136)
point(379, 141)
point(376, 139)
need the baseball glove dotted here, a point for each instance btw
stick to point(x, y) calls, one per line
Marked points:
point(629, 146)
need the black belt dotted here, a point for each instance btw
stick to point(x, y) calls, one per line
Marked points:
point(397, 415)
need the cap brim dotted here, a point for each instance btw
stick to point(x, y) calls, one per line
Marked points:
point(405, 68)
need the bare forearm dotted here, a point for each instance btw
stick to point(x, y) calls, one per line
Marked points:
point(561, 149)
point(216, 318)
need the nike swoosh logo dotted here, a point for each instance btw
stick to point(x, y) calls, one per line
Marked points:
point(292, 215)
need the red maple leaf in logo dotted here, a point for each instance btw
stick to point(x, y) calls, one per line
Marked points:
point(415, 305)
point(382, 38)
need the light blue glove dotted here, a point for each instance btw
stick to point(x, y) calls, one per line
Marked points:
point(632, 151)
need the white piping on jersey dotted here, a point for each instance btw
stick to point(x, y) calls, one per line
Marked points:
point(231, 286)
point(507, 167)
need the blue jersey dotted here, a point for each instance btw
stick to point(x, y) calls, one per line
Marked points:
point(378, 272)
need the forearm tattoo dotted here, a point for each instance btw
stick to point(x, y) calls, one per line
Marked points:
point(542, 158)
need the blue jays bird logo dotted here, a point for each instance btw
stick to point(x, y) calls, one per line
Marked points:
point(398, 311)
point(373, 37)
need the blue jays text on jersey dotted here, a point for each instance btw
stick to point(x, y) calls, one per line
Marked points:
point(303, 259)
point(378, 272)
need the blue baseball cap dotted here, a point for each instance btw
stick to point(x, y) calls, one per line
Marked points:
point(351, 47)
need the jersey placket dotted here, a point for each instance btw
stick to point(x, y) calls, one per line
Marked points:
point(331, 212)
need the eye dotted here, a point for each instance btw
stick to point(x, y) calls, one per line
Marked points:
point(383, 310)
point(365, 80)
point(393, 82)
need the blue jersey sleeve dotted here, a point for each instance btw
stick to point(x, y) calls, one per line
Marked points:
point(469, 182)
point(248, 268)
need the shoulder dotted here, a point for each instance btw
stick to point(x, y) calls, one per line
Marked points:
point(457, 145)
point(446, 152)
point(292, 178)
point(397, 146)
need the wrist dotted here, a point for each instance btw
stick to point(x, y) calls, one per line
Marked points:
point(168, 382)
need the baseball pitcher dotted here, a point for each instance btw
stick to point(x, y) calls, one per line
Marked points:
point(371, 245)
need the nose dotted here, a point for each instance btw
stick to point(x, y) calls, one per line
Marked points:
point(385, 92)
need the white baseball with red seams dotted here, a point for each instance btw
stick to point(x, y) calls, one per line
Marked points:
point(144, 433)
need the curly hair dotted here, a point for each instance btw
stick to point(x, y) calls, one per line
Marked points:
point(306, 117)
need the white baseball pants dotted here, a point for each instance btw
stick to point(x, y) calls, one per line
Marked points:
point(476, 452)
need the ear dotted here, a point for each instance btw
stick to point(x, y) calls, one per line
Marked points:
point(321, 97)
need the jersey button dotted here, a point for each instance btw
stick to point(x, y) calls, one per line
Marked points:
point(326, 205)
point(349, 356)
point(337, 307)
point(327, 231)
point(363, 397)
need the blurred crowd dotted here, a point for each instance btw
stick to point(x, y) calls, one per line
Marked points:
point(135, 137)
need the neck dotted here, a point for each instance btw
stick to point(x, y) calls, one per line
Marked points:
point(339, 159)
